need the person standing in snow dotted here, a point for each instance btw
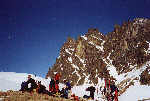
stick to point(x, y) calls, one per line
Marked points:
point(92, 90)
point(56, 79)
point(116, 95)
point(107, 90)
point(52, 86)
point(114, 92)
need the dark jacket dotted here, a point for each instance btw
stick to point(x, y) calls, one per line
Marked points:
point(68, 85)
point(64, 93)
point(24, 86)
point(92, 90)
point(113, 88)
point(33, 84)
point(52, 85)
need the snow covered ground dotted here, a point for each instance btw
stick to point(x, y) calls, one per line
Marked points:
point(12, 81)
point(135, 93)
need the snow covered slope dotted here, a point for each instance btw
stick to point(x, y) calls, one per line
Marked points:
point(12, 81)
point(135, 93)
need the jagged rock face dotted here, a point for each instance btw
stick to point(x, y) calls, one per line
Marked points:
point(128, 44)
point(86, 59)
point(145, 77)
point(82, 59)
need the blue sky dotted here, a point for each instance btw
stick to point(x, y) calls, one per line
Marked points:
point(33, 31)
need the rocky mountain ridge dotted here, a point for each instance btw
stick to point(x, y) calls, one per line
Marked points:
point(94, 55)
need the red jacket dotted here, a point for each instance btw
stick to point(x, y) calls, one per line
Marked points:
point(57, 76)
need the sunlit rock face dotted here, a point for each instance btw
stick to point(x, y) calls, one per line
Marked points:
point(88, 58)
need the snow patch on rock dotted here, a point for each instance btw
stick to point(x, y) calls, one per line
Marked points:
point(84, 37)
point(98, 47)
point(70, 59)
point(67, 51)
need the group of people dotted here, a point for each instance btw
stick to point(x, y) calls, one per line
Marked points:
point(54, 87)
point(110, 91)
point(35, 86)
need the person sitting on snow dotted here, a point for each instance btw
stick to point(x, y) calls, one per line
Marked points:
point(24, 86)
point(64, 92)
point(32, 82)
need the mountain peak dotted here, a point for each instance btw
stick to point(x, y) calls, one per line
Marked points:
point(95, 56)
point(140, 21)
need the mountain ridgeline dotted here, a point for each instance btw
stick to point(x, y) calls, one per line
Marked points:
point(87, 59)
